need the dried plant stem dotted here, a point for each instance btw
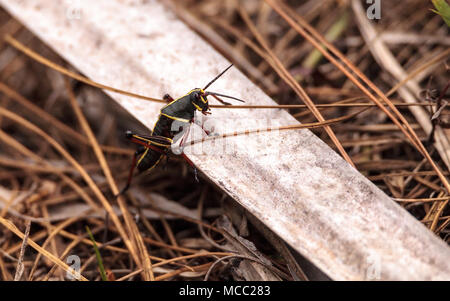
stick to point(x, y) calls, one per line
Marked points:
point(282, 9)
point(25, 151)
point(69, 133)
point(139, 245)
point(9, 39)
point(52, 234)
point(83, 173)
point(388, 62)
point(20, 267)
point(10, 226)
point(281, 70)
point(243, 257)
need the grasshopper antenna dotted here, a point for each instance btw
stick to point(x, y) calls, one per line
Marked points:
point(223, 95)
point(215, 78)
point(215, 94)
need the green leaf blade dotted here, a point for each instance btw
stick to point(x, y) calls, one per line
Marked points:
point(442, 9)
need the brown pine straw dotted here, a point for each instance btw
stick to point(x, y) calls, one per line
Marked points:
point(20, 267)
point(282, 71)
point(11, 227)
point(186, 268)
point(6, 113)
point(29, 105)
point(319, 105)
point(198, 268)
point(321, 44)
point(156, 243)
point(276, 271)
point(445, 198)
point(170, 248)
point(8, 38)
point(200, 254)
point(83, 239)
point(233, 31)
point(5, 138)
point(49, 238)
point(280, 128)
point(73, 244)
point(139, 245)
point(69, 133)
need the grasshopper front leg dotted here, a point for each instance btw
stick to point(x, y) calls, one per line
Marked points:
point(201, 124)
point(185, 136)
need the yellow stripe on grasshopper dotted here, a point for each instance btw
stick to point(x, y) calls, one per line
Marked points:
point(175, 118)
point(153, 142)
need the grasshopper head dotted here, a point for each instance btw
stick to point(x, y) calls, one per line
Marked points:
point(199, 100)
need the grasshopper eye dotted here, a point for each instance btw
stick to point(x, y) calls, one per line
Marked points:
point(195, 96)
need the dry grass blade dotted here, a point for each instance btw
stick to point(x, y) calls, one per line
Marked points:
point(438, 58)
point(20, 267)
point(241, 257)
point(52, 234)
point(71, 134)
point(10, 226)
point(139, 245)
point(281, 128)
point(216, 39)
point(281, 70)
point(386, 59)
point(404, 126)
point(198, 268)
point(84, 174)
point(323, 46)
point(76, 241)
point(68, 131)
point(13, 42)
point(8, 91)
point(23, 150)
point(440, 210)
point(320, 105)
point(201, 254)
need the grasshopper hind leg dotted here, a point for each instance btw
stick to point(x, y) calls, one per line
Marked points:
point(139, 151)
point(147, 161)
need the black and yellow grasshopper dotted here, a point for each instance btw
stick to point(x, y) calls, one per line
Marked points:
point(173, 119)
